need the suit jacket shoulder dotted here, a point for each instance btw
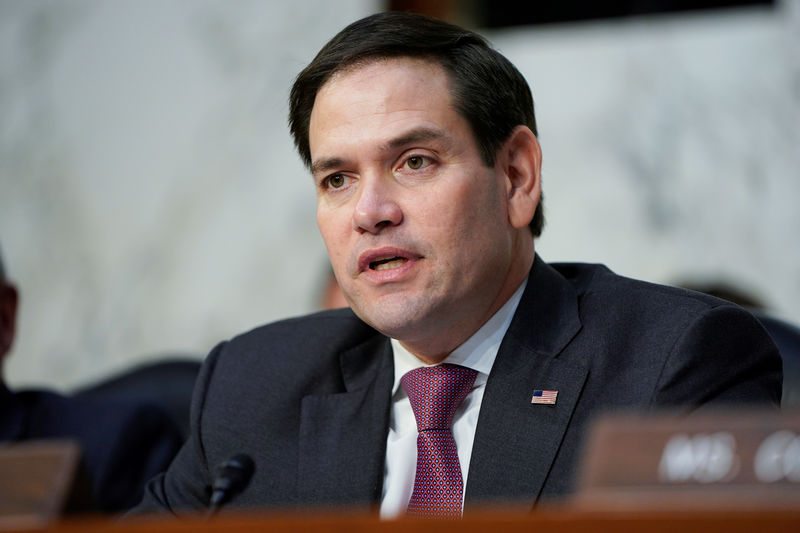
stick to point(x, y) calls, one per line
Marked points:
point(696, 349)
point(301, 354)
point(307, 398)
point(605, 343)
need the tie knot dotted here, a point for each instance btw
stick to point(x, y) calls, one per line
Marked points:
point(436, 392)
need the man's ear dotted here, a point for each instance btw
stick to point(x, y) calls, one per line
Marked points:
point(8, 316)
point(520, 159)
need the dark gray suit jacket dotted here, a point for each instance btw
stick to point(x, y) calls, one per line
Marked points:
point(309, 398)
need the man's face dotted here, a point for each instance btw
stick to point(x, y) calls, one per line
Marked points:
point(415, 223)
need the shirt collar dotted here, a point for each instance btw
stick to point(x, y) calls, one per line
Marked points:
point(478, 352)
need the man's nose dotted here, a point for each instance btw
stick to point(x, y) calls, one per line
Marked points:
point(376, 207)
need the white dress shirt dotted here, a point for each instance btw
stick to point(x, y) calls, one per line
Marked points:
point(478, 353)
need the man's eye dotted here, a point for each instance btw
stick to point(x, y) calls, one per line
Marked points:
point(416, 162)
point(336, 181)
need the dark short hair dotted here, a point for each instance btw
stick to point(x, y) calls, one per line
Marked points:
point(488, 91)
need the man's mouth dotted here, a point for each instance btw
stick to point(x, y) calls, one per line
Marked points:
point(387, 263)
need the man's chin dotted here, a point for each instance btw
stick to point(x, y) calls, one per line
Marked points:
point(395, 321)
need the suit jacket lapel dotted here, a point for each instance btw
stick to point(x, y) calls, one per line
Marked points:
point(343, 436)
point(516, 441)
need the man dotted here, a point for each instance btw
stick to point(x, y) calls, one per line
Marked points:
point(123, 443)
point(422, 144)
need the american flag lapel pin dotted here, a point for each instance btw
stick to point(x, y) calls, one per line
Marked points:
point(544, 397)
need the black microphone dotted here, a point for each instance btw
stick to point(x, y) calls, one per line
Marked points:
point(232, 477)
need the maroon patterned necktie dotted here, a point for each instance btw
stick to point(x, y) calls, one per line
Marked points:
point(435, 393)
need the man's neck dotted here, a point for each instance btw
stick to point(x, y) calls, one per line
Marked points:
point(429, 352)
point(501, 318)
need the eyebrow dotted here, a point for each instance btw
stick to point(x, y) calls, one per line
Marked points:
point(325, 164)
point(414, 136)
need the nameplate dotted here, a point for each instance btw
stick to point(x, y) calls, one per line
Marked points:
point(749, 458)
point(36, 481)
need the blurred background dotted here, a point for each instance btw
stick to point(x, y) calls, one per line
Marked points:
point(152, 204)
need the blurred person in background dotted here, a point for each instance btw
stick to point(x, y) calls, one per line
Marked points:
point(123, 443)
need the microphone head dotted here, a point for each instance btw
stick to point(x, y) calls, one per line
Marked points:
point(234, 474)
